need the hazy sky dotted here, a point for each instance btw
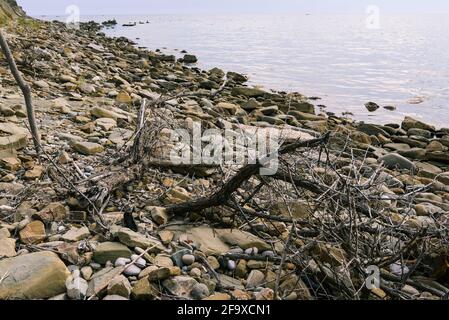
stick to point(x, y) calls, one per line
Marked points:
point(87, 7)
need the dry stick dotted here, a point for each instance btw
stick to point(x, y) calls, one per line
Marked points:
point(245, 173)
point(25, 90)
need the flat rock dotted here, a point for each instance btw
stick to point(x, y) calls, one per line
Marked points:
point(87, 148)
point(34, 232)
point(100, 280)
point(7, 247)
point(394, 160)
point(110, 251)
point(37, 275)
point(76, 234)
point(133, 239)
point(15, 141)
point(180, 286)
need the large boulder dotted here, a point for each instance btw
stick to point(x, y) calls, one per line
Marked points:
point(37, 275)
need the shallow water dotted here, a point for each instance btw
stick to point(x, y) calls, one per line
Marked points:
point(333, 57)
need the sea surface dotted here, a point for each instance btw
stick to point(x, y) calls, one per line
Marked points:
point(346, 60)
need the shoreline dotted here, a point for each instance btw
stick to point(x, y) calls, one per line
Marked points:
point(139, 238)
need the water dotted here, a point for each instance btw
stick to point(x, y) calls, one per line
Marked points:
point(335, 57)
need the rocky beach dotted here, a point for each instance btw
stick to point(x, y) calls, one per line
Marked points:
point(102, 213)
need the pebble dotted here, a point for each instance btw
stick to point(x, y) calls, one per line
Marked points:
point(122, 262)
point(140, 262)
point(251, 251)
point(132, 270)
point(188, 259)
point(199, 291)
point(231, 265)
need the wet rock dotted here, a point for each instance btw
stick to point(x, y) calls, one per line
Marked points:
point(248, 92)
point(33, 276)
point(371, 106)
point(110, 251)
point(410, 123)
point(189, 58)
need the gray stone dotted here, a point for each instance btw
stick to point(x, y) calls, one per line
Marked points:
point(110, 251)
point(394, 160)
point(199, 291)
point(255, 279)
point(76, 288)
point(132, 271)
point(188, 259)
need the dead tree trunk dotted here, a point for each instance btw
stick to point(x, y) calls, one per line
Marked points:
point(25, 90)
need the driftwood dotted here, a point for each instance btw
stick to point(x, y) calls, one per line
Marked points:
point(25, 90)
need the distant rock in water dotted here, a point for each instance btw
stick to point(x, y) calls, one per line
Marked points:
point(390, 108)
point(371, 106)
point(109, 23)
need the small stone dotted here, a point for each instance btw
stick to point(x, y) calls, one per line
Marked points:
point(87, 148)
point(120, 286)
point(265, 294)
point(166, 236)
point(33, 233)
point(132, 271)
point(86, 272)
point(188, 259)
point(76, 234)
point(106, 124)
point(114, 297)
point(195, 272)
point(180, 286)
point(123, 97)
point(231, 265)
point(54, 211)
point(7, 247)
point(76, 288)
point(159, 274)
point(213, 262)
point(163, 260)
point(398, 269)
point(251, 251)
point(158, 214)
point(139, 261)
point(255, 279)
point(121, 262)
point(199, 291)
point(144, 290)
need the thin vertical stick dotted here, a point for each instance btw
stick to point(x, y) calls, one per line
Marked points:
point(25, 90)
